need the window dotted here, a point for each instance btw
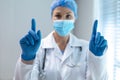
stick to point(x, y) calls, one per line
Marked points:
point(108, 14)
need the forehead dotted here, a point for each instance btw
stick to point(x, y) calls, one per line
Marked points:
point(62, 10)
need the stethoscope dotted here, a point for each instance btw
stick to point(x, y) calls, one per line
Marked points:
point(44, 58)
point(42, 74)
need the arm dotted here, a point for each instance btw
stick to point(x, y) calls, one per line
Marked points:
point(96, 55)
point(22, 70)
point(29, 45)
point(97, 69)
point(28, 71)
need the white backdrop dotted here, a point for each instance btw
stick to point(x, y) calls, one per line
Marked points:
point(15, 21)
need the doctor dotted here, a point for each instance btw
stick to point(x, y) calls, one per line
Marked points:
point(62, 56)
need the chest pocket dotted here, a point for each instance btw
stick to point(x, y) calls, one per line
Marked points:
point(75, 58)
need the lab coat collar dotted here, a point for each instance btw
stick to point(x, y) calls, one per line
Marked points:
point(74, 42)
point(49, 41)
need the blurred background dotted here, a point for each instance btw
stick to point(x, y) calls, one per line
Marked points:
point(15, 22)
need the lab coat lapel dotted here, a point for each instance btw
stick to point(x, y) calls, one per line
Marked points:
point(67, 53)
point(49, 42)
point(73, 42)
point(57, 53)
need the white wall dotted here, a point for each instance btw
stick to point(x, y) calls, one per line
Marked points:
point(15, 21)
point(85, 19)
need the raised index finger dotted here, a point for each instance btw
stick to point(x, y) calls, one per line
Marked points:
point(33, 25)
point(95, 27)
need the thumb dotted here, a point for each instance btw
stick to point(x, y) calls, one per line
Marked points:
point(39, 34)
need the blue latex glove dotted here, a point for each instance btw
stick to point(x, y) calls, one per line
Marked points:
point(97, 43)
point(30, 43)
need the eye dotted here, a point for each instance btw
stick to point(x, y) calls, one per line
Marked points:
point(68, 16)
point(58, 16)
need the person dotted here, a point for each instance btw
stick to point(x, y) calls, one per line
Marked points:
point(61, 55)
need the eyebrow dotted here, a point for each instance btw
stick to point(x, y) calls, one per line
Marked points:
point(68, 12)
point(60, 12)
point(57, 12)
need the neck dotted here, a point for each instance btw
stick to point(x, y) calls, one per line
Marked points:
point(61, 41)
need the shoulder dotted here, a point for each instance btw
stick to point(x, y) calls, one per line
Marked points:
point(48, 42)
point(78, 42)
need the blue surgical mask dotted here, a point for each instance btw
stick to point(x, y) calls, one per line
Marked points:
point(63, 27)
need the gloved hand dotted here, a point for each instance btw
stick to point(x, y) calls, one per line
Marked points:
point(30, 43)
point(97, 43)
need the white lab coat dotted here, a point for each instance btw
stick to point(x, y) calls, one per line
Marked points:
point(77, 62)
